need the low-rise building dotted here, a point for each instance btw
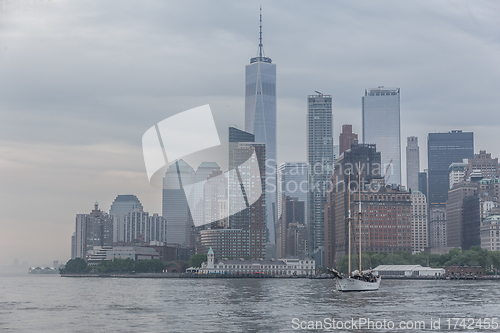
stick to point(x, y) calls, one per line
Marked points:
point(464, 270)
point(133, 252)
point(290, 266)
point(407, 271)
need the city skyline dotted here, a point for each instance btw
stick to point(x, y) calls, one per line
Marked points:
point(50, 160)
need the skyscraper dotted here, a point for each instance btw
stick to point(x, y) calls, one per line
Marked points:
point(437, 227)
point(144, 228)
point(123, 204)
point(484, 163)
point(197, 205)
point(247, 185)
point(292, 182)
point(419, 223)
point(442, 150)
point(382, 126)
point(175, 204)
point(94, 229)
point(346, 138)
point(455, 212)
point(260, 119)
point(422, 182)
point(320, 166)
point(412, 163)
point(293, 212)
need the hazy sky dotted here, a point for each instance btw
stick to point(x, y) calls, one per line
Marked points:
point(81, 83)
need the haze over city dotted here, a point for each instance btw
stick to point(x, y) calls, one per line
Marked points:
point(81, 83)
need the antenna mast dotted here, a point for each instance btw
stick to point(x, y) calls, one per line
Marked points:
point(260, 36)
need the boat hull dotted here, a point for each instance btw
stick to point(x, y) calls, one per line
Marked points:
point(350, 284)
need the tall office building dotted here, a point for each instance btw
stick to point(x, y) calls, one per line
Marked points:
point(144, 228)
point(247, 189)
point(175, 208)
point(437, 227)
point(320, 166)
point(293, 212)
point(471, 227)
point(412, 163)
point(336, 210)
point(382, 126)
point(236, 157)
point(455, 211)
point(123, 204)
point(216, 201)
point(346, 138)
point(336, 153)
point(422, 182)
point(485, 164)
point(197, 206)
point(442, 150)
point(260, 120)
point(419, 223)
point(457, 172)
point(292, 182)
point(94, 229)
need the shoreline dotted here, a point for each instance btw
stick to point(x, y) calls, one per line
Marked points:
point(251, 276)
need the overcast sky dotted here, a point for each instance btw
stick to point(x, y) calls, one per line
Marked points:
point(81, 83)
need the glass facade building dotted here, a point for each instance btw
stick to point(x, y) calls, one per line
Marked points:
point(444, 149)
point(292, 182)
point(175, 207)
point(123, 204)
point(320, 165)
point(260, 120)
point(382, 126)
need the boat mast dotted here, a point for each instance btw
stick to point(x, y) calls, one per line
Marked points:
point(349, 219)
point(359, 213)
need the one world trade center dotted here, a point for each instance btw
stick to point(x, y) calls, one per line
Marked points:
point(260, 120)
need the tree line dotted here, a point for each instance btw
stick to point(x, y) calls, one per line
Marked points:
point(80, 266)
point(475, 256)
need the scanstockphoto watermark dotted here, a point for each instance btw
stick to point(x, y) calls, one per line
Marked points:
point(433, 324)
point(359, 324)
point(26, 5)
point(224, 194)
point(319, 177)
point(190, 132)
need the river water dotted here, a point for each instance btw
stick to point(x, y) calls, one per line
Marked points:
point(49, 303)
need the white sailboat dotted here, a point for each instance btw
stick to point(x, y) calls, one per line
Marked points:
point(358, 280)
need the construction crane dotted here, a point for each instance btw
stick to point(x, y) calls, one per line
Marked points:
point(386, 170)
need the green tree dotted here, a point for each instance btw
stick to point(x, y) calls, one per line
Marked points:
point(75, 266)
point(198, 259)
point(149, 266)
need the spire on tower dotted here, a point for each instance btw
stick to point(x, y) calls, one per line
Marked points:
point(260, 54)
point(260, 35)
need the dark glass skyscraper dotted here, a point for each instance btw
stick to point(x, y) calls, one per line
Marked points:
point(444, 149)
point(247, 197)
point(422, 182)
point(260, 119)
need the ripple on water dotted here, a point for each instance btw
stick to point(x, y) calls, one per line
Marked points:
point(227, 305)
